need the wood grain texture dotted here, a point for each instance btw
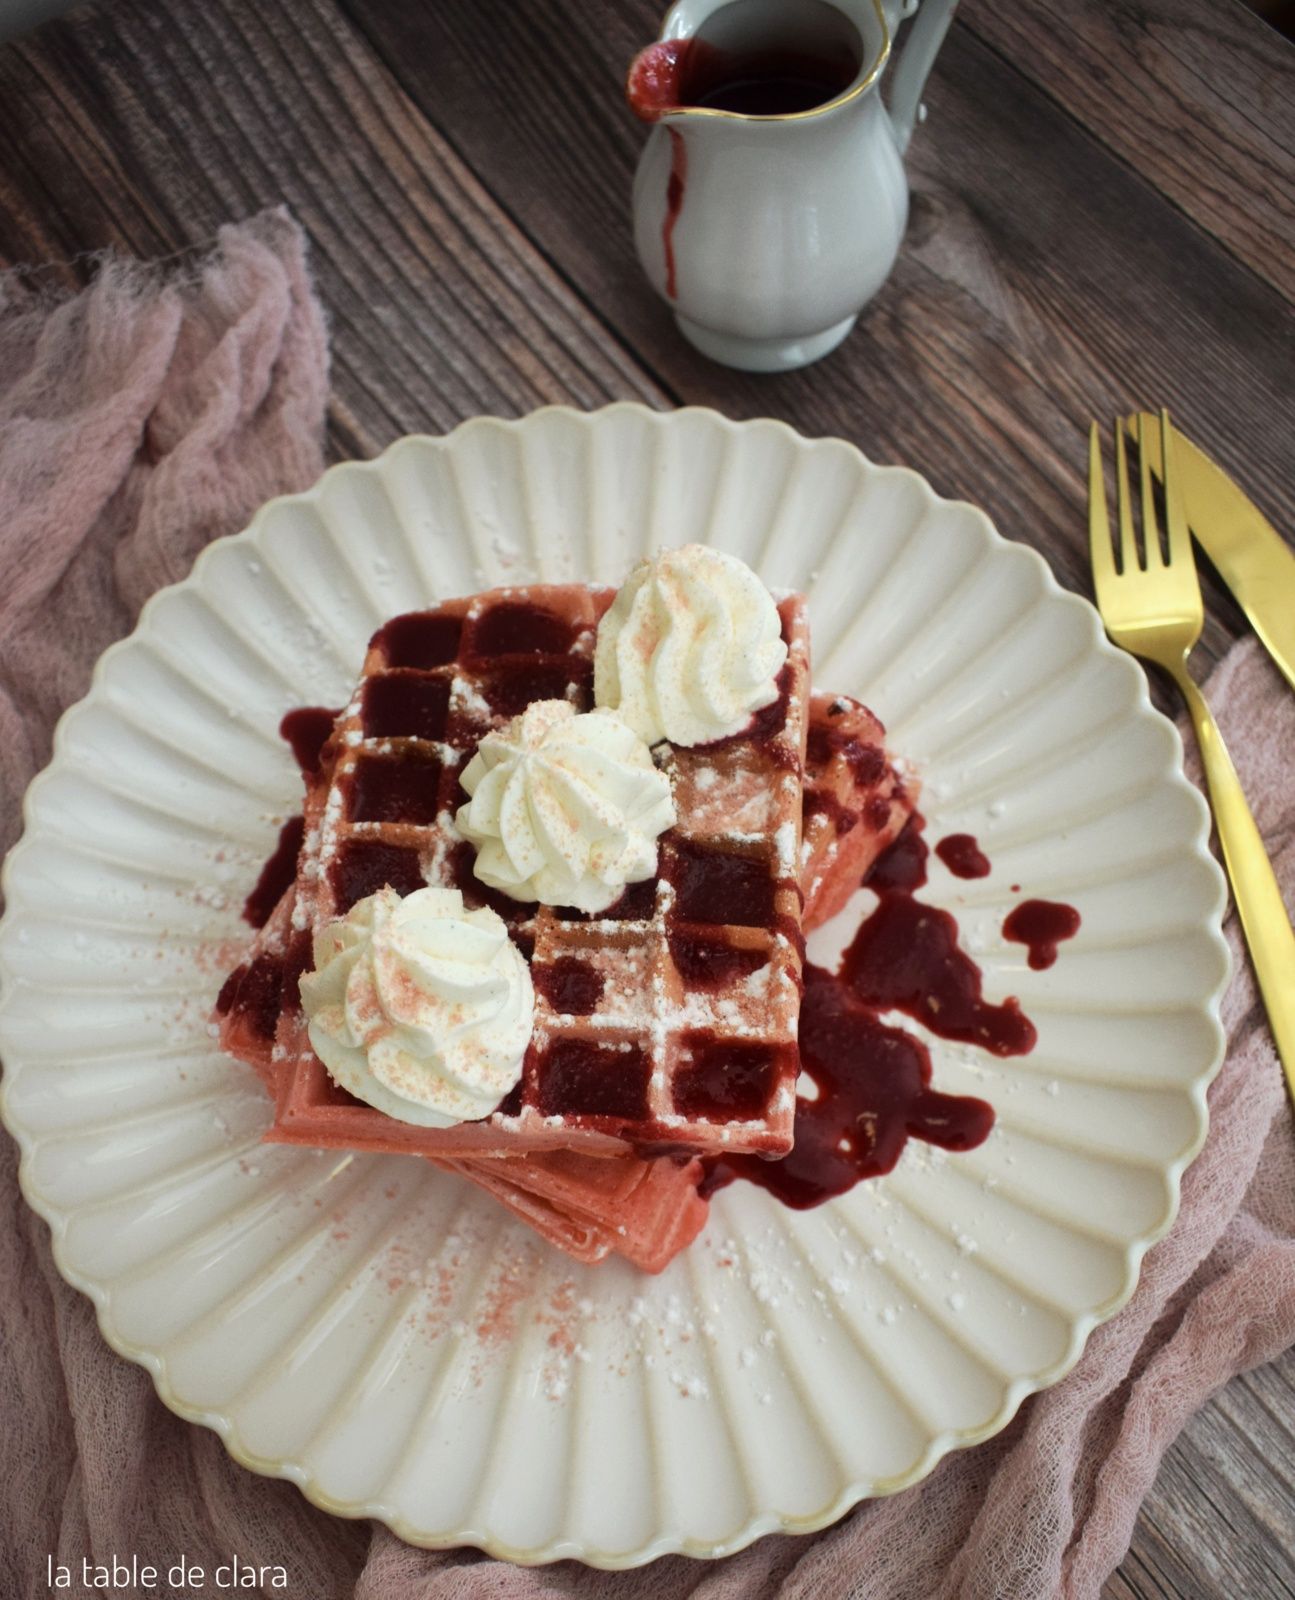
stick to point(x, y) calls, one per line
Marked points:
point(1208, 1529)
point(439, 310)
point(1197, 95)
point(463, 169)
point(1032, 293)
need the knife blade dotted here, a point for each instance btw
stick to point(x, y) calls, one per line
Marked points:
point(1252, 558)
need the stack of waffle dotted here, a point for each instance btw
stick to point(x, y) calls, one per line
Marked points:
point(665, 1026)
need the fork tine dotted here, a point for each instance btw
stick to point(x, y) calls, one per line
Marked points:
point(1180, 544)
point(1099, 526)
point(1150, 528)
point(1128, 544)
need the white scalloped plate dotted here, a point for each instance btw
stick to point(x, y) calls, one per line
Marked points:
point(379, 1333)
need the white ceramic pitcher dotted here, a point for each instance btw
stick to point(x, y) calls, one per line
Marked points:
point(768, 230)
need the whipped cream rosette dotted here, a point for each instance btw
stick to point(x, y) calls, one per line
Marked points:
point(691, 647)
point(420, 1007)
point(566, 807)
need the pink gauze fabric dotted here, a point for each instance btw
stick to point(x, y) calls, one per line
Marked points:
point(155, 411)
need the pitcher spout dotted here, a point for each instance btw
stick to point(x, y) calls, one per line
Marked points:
point(657, 82)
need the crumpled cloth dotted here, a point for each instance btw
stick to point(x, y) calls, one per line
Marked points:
point(155, 411)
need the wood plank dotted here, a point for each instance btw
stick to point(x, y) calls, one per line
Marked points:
point(1255, 1452)
point(1273, 1387)
point(1210, 1543)
point(1121, 1587)
point(1198, 95)
point(1030, 296)
point(1216, 1521)
point(439, 309)
point(1136, 1579)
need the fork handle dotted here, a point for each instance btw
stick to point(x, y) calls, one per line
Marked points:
point(1259, 904)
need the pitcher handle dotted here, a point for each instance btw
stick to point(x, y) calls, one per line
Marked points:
point(915, 62)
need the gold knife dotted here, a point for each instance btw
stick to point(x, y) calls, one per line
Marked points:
point(1251, 556)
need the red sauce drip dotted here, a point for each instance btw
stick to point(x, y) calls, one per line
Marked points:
point(636, 904)
point(297, 959)
point(1042, 925)
point(674, 192)
point(276, 875)
point(901, 868)
point(876, 811)
point(718, 886)
point(400, 788)
point(420, 639)
point(825, 803)
point(307, 729)
point(723, 1081)
point(364, 866)
point(405, 704)
point(764, 725)
point(874, 1093)
point(963, 856)
point(514, 628)
point(252, 992)
point(229, 990)
point(708, 963)
point(510, 688)
point(767, 723)
point(866, 761)
point(874, 1079)
point(572, 987)
point(905, 957)
point(579, 1078)
point(511, 1104)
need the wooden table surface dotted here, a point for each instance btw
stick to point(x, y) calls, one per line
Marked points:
point(1102, 215)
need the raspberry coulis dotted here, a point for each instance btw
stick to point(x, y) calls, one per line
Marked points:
point(306, 732)
point(871, 1080)
point(963, 856)
point(1041, 925)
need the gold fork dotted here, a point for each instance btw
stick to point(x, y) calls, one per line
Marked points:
point(1154, 610)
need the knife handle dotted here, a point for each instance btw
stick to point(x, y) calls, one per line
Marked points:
point(1258, 899)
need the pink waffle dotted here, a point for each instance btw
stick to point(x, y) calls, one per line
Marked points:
point(594, 1206)
point(667, 1021)
point(254, 995)
point(855, 805)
